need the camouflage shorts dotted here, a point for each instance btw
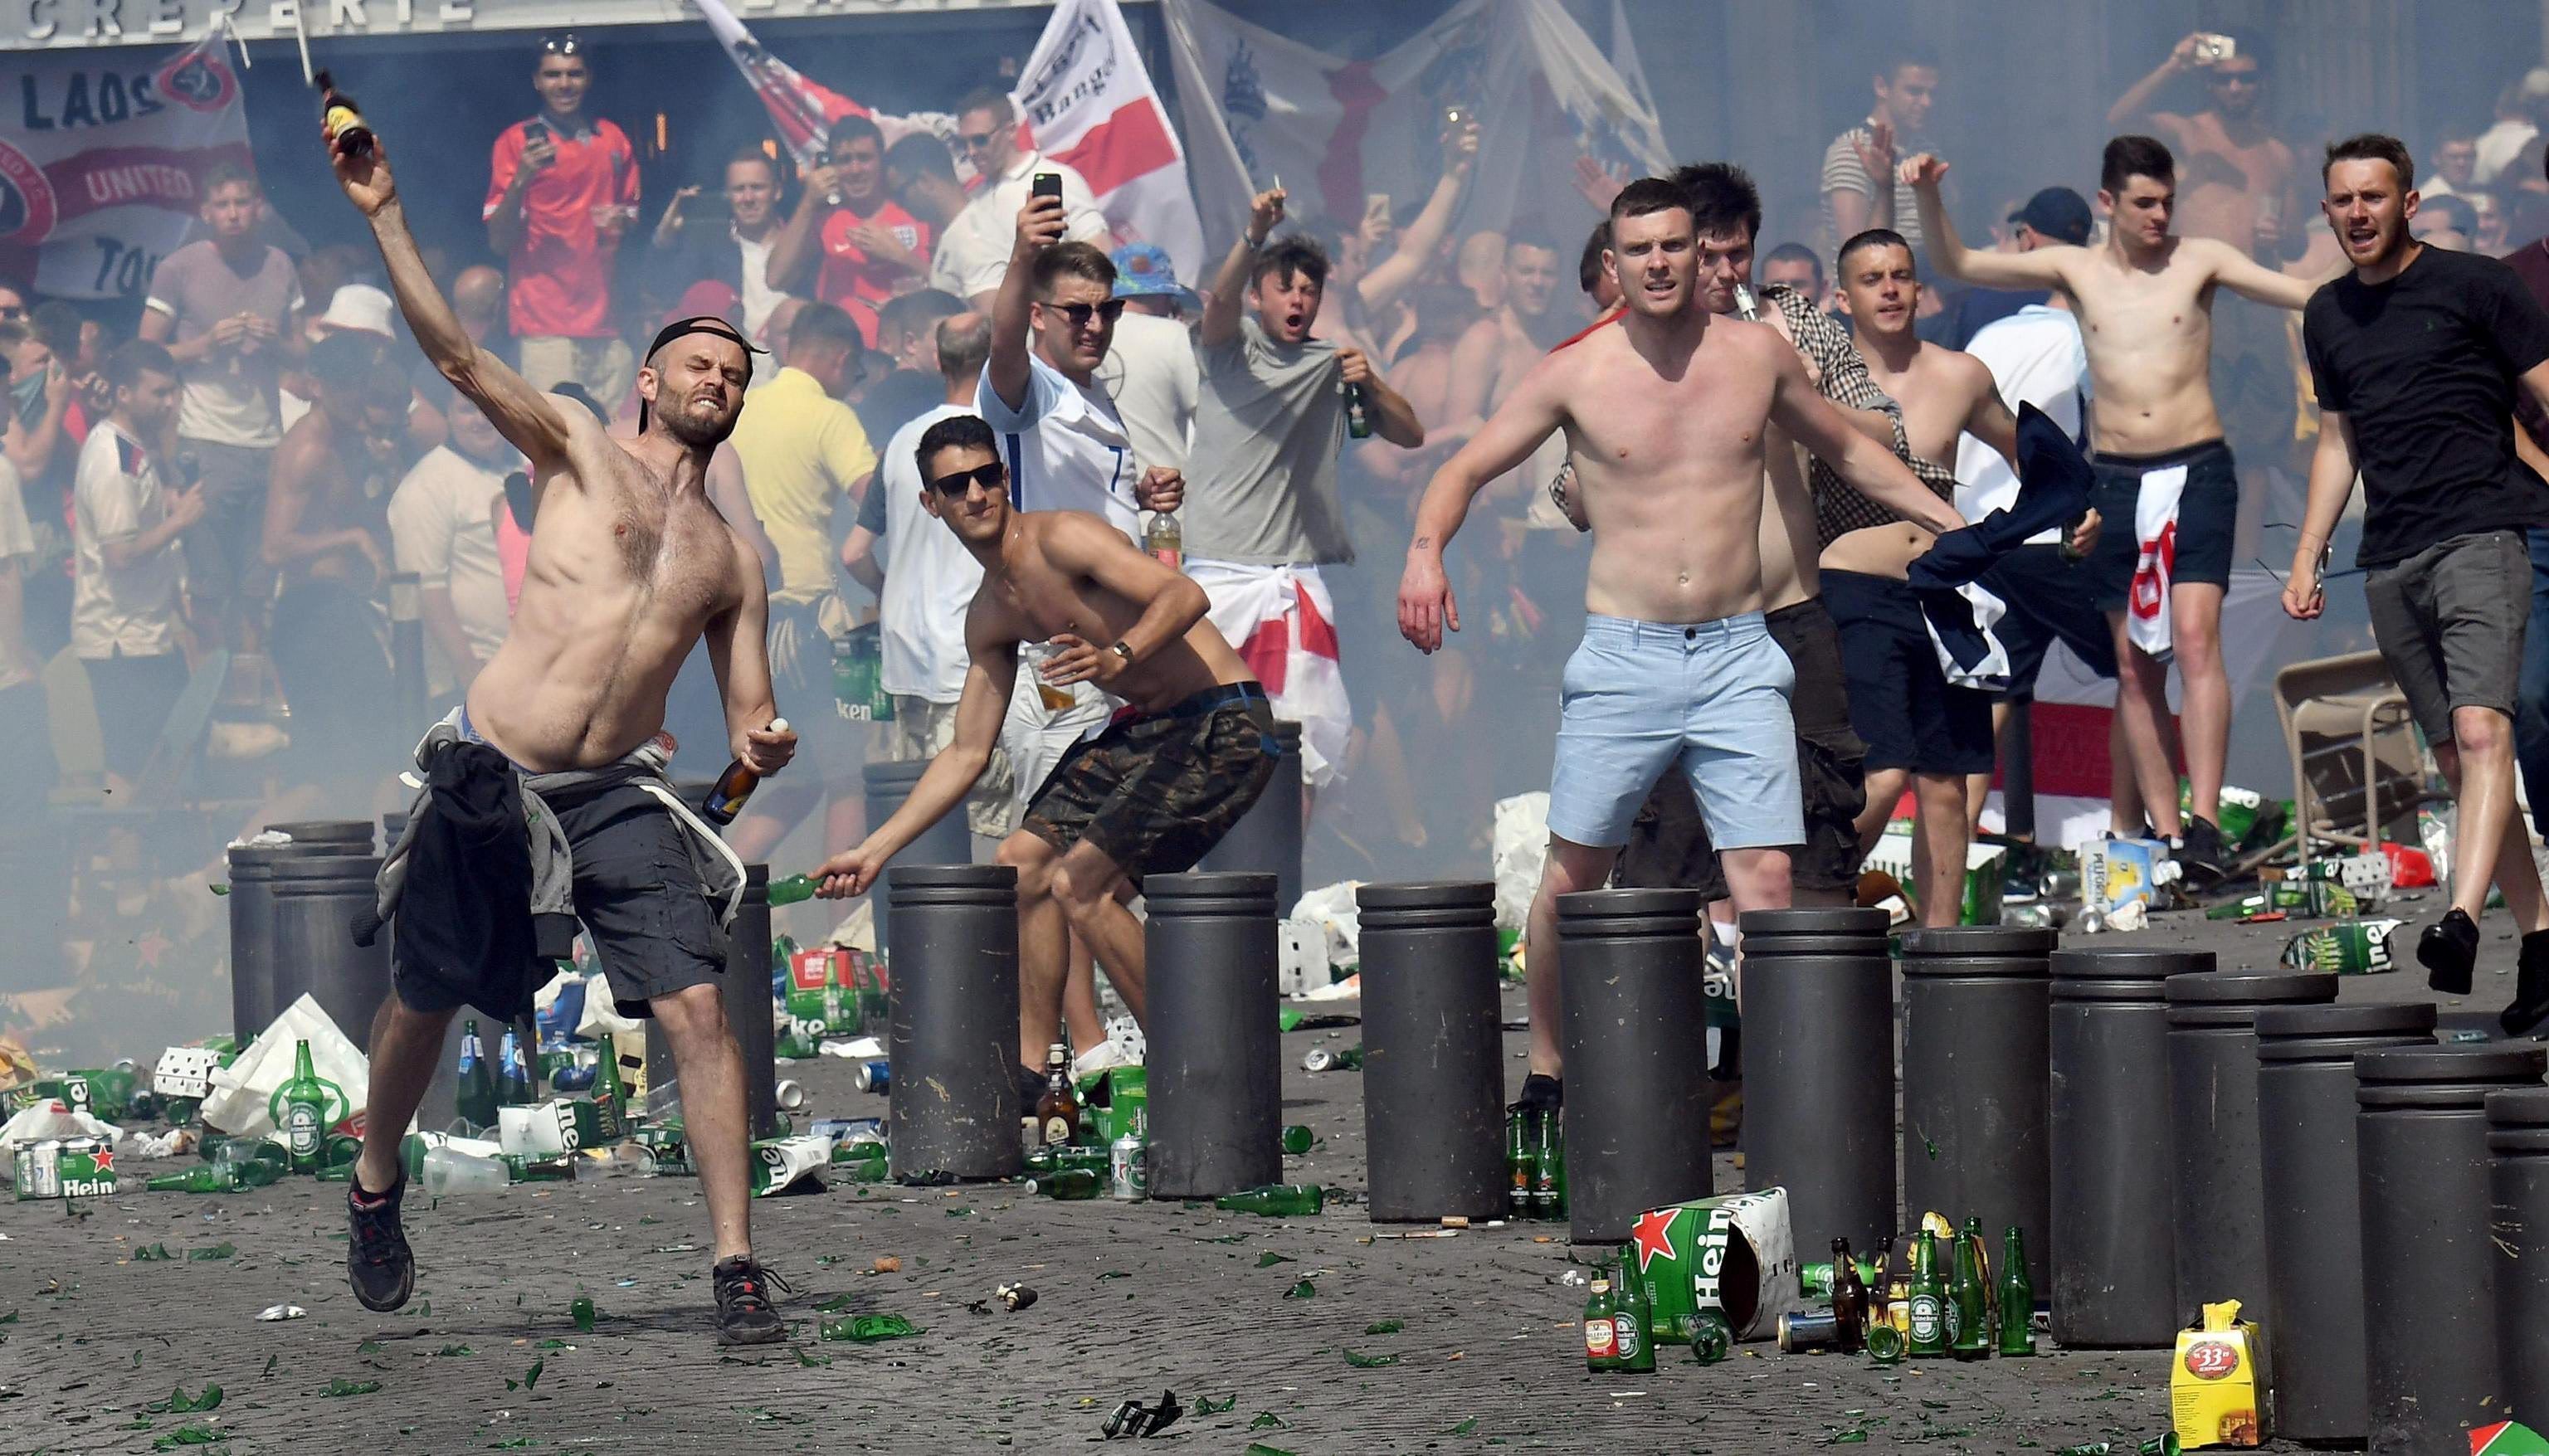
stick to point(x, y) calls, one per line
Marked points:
point(1159, 791)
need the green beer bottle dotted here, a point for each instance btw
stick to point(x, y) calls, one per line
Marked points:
point(1928, 1299)
point(1548, 1173)
point(1969, 1336)
point(1276, 1201)
point(1633, 1317)
point(233, 1177)
point(304, 1113)
point(609, 1094)
point(1711, 1338)
point(2017, 1297)
point(513, 1075)
point(1069, 1184)
point(1601, 1328)
point(792, 890)
point(1522, 1166)
point(477, 1097)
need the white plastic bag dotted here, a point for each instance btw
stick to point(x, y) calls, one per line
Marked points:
point(1521, 849)
point(1333, 910)
point(241, 1091)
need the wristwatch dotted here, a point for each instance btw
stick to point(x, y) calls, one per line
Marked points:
point(1122, 651)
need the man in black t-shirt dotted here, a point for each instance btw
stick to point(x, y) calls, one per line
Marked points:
point(2418, 356)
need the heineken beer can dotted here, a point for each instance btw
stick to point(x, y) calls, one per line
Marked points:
point(39, 1170)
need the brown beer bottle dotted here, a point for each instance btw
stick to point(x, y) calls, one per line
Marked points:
point(1057, 1110)
point(1848, 1297)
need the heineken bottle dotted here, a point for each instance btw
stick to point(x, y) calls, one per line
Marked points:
point(1548, 1173)
point(477, 1079)
point(1276, 1201)
point(1711, 1338)
point(2017, 1297)
point(1522, 1165)
point(1929, 1332)
point(1070, 1184)
point(1633, 1319)
point(513, 1075)
point(1601, 1327)
point(304, 1113)
point(233, 1177)
point(1968, 1314)
point(609, 1094)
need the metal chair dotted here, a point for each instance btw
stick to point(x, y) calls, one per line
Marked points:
point(2356, 755)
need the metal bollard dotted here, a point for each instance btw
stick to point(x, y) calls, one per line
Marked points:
point(750, 1010)
point(1268, 838)
point(1216, 1074)
point(2115, 1266)
point(1819, 1085)
point(2312, 1204)
point(2517, 1141)
point(947, 841)
point(953, 1031)
point(253, 987)
point(315, 900)
point(2218, 1188)
point(341, 836)
point(1976, 1134)
point(1636, 1116)
point(1431, 1078)
point(1818, 932)
point(2431, 1358)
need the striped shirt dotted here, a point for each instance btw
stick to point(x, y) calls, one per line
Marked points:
point(1838, 507)
point(1843, 172)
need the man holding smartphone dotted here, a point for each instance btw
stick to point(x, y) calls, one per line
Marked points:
point(974, 254)
point(562, 192)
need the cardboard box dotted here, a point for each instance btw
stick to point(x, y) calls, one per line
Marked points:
point(1733, 1253)
point(2115, 872)
point(2217, 1386)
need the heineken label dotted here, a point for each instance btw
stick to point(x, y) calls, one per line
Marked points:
point(301, 1128)
point(1732, 1254)
point(1955, 1320)
point(1601, 1339)
point(1926, 1320)
point(790, 1165)
point(1624, 1335)
point(65, 1167)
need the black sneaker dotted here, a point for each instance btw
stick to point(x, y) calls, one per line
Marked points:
point(1030, 1089)
point(378, 1263)
point(1540, 1094)
point(2202, 853)
point(2448, 950)
point(2530, 987)
point(746, 1315)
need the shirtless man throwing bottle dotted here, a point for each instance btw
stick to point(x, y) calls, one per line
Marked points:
point(1664, 413)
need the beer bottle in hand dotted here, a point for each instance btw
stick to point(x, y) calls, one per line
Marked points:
point(734, 786)
point(1057, 1110)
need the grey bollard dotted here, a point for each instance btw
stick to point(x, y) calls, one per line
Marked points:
point(1268, 838)
point(1819, 1085)
point(341, 835)
point(953, 1037)
point(1216, 1074)
point(2217, 1185)
point(1433, 1081)
point(2431, 1358)
point(750, 1010)
point(254, 986)
point(1632, 1007)
point(1820, 932)
point(2313, 1206)
point(2518, 1144)
point(1976, 1130)
point(2115, 1265)
point(316, 898)
point(947, 841)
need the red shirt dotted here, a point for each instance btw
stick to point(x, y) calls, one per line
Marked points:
point(854, 281)
point(561, 269)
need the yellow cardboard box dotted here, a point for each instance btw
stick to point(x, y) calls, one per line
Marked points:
point(2217, 1386)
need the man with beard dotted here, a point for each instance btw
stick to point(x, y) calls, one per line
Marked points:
point(546, 786)
point(2418, 355)
point(1665, 413)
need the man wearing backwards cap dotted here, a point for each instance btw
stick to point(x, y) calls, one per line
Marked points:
point(629, 564)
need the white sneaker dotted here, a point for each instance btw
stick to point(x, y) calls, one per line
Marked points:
point(1098, 1058)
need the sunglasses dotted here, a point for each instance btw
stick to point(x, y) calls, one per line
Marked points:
point(955, 487)
point(1080, 314)
point(10, 312)
point(976, 142)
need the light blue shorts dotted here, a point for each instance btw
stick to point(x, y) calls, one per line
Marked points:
point(1711, 697)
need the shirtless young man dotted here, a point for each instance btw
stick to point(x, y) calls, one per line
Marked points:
point(1149, 796)
point(1917, 724)
point(629, 564)
point(2145, 305)
point(1663, 413)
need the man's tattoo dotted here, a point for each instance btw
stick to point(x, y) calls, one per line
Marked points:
point(1423, 541)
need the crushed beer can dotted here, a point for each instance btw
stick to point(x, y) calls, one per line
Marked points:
point(2347, 948)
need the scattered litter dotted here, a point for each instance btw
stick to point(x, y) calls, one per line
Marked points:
point(1133, 1418)
point(1385, 1327)
point(283, 1312)
point(341, 1388)
point(181, 1404)
point(1301, 1289)
point(868, 1329)
point(1369, 1362)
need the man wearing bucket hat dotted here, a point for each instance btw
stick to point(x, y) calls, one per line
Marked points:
point(1151, 371)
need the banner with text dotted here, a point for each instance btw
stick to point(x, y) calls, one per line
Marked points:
point(1089, 101)
point(102, 163)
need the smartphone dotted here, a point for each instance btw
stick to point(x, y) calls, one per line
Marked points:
point(1047, 184)
point(2214, 49)
point(1455, 114)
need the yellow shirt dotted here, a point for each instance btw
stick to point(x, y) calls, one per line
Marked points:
point(801, 450)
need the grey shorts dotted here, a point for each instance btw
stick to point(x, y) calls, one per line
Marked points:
point(2449, 623)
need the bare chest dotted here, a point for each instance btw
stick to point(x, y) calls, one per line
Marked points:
point(2141, 312)
point(1633, 425)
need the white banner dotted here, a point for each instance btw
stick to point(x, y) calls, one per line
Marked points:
point(1087, 100)
point(102, 160)
point(1259, 107)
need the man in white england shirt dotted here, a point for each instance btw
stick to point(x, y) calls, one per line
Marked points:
point(975, 249)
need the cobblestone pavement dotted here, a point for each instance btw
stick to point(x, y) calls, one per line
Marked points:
point(1133, 1300)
